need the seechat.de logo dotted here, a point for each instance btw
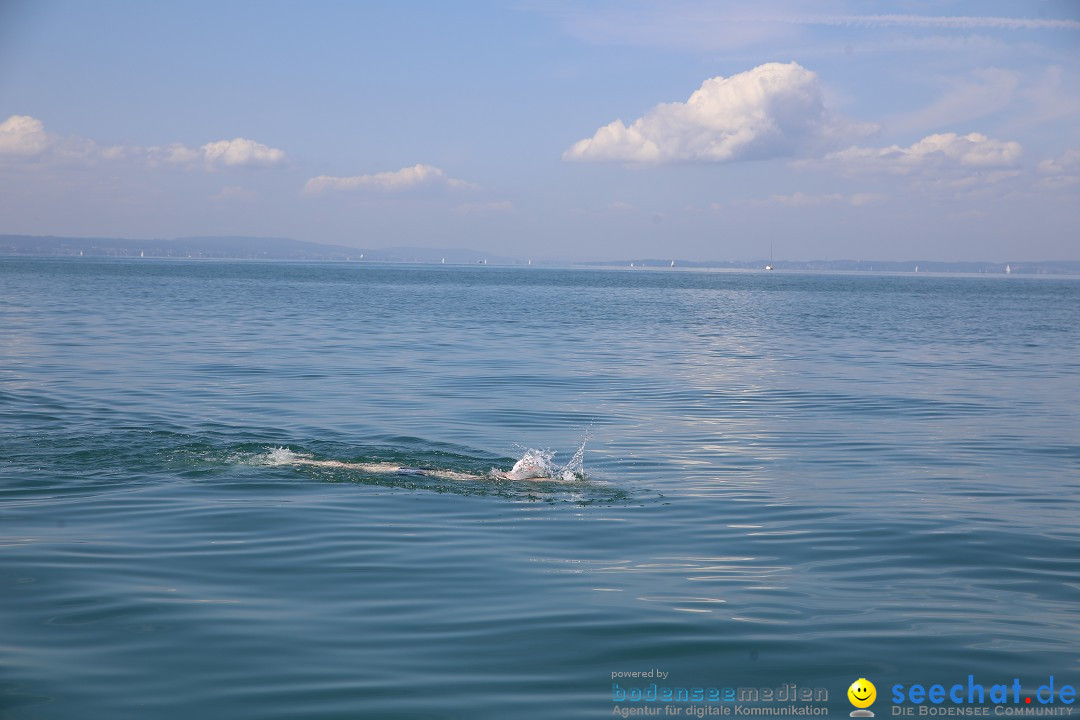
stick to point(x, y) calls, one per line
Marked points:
point(862, 695)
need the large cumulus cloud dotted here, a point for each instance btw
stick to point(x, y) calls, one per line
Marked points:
point(773, 110)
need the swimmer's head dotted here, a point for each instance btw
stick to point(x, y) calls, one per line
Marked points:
point(525, 468)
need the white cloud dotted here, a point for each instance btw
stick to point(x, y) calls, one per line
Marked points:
point(25, 136)
point(1058, 182)
point(947, 164)
point(1069, 161)
point(941, 151)
point(1062, 171)
point(398, 180)
point(774, 110)
point(22, 135)
point(241, 152)
point(175, 154)
point(499, 206)
point(801, 200)
point(974, 185)
point(236, 153)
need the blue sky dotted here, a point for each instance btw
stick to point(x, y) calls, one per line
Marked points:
point(698, 130)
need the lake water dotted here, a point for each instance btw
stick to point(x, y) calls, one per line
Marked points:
point(789, 479)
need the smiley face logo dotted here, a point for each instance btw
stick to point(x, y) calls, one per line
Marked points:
point(862, 694)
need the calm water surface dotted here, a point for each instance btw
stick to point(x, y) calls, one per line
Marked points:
point(790, 479)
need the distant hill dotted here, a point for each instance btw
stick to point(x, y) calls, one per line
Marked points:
point(456, 256)
point(1047, 267)
point(191, 247)
point(269, 248)
point(232, 247)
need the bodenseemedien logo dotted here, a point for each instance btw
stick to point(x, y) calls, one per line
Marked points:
point(862, 694)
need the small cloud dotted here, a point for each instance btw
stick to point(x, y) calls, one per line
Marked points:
point(240, 152)
point(1067, 162)
point(115, 153)
point(480, 208)
point(235, 153)
point(1062, 171)
point(773, 110)
point(235, 193)
point(860, 199)
point(396, 181)
point(805, 200)
point(23, 136)
point(175, 154)
point(978, 184)
point(1057, 182)
point(620, 206)
point(963, 165)
point(800, 199)
point(942, 151)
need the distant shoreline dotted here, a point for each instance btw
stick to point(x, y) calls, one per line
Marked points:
point(257, 248)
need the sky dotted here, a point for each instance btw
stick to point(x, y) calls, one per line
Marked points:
point(615, 129)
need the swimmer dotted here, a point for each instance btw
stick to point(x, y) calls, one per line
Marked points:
point(381, 468)
point(524, 469)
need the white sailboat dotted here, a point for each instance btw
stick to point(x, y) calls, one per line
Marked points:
point(770, 265)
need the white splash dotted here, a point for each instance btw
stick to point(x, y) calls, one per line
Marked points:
point(280, 456)
point(533, 464)
point(540, 464)
point(576, 466)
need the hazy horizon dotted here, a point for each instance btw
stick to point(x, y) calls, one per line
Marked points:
point(689, 130)
point(278, 248)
